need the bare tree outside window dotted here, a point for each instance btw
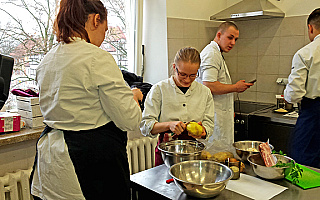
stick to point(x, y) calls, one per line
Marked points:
point(26, 33)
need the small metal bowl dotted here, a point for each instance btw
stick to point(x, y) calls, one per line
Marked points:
point(201, 178)
point(243, 146)
point(257, 163)
point(176, 151)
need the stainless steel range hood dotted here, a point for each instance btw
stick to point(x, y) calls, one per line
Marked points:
point(249, 10)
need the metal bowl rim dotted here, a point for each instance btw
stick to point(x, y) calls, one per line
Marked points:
point(183, 154)
point(216, 183)
point(266, 166)
point(250, 141)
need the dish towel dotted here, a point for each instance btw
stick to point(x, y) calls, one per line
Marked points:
point(309, 179)
point(254, 188)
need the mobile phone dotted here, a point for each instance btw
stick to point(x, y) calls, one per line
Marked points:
point(253, 81)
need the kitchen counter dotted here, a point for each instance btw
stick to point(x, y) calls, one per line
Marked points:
point(275, 117)
point(151, 184)
point(20, 136)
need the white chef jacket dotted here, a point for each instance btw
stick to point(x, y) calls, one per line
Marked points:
point(81, 88)
point(213, 68)
point(304, 80)
point(165, 102)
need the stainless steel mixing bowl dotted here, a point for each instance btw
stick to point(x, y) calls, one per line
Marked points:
point(261, 170)
point(177, 151)
point(201, 178)
point(243, 148)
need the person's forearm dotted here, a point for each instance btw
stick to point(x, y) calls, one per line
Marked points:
point(160, 127)
point(218, 88)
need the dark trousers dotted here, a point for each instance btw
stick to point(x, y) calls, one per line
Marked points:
point(305, 142)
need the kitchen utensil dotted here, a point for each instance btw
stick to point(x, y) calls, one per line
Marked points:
point(257, 163)
point(201, 178)
point(246, 148)
point(176, 151)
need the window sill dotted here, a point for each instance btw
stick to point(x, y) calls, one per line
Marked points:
point(20, 136)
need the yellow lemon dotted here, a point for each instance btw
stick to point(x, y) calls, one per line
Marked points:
point(194, 128)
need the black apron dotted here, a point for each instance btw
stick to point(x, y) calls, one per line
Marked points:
point(305, 139)
point(100, 160)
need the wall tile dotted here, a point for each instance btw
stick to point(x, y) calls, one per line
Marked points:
point(232, 63)
point(268, 64)
point(267, 83)
point(175, 27)
point(173, 46)
point(247, 64)
point(269, 27)
point(248, 95)
point(266, 97)
point(248, 29)
point(190, 28)
point(269, 46)
point(191, 42)
point(285, 65)
point(207, 30)
point(292, 26)
point(290, 45)
point(247, 47)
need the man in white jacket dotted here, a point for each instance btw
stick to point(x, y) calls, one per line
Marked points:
point(215, 75)
point(304, 87)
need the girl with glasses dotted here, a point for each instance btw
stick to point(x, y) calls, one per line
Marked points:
point(173, 102)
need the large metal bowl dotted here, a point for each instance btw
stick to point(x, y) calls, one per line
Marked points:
point(242, 148)
point(261, 170)
point(201, 178)
point(177, 151)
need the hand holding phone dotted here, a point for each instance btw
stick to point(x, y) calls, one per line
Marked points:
point(253, 81)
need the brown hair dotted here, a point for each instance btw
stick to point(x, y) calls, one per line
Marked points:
point(72, 16)
point(314, 18)
point(225, 25)
point(187, 54)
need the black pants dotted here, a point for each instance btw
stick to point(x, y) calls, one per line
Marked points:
point(305, 148)
point(100, 160)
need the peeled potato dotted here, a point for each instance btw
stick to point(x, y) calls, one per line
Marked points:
point(194, 128)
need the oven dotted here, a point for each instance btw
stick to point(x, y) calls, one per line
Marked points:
point(243, 110)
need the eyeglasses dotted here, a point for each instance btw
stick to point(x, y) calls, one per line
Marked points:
point(183, 75)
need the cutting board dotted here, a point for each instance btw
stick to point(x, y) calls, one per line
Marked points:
point(309, 179)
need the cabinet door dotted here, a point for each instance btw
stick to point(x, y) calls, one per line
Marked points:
point(278, 134)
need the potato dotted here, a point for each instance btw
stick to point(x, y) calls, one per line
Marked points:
point(205, 155)
point(222, 156)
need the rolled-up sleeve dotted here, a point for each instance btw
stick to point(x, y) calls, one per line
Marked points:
point(115, 97)
point(151, 111)
point(296, 87)
point(210, 67)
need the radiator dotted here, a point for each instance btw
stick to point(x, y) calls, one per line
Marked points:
point(141, 153)
point(15, 186)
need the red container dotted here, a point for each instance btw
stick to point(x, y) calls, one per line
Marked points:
point(9, 122)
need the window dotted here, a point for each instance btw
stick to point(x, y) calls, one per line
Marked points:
point(26, 34)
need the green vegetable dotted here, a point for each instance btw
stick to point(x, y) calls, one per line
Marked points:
point(294, 169)
point(280, 152)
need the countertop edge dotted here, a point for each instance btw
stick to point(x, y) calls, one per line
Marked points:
point(20, 136)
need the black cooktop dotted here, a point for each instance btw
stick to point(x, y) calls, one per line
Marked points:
point(246, 107)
